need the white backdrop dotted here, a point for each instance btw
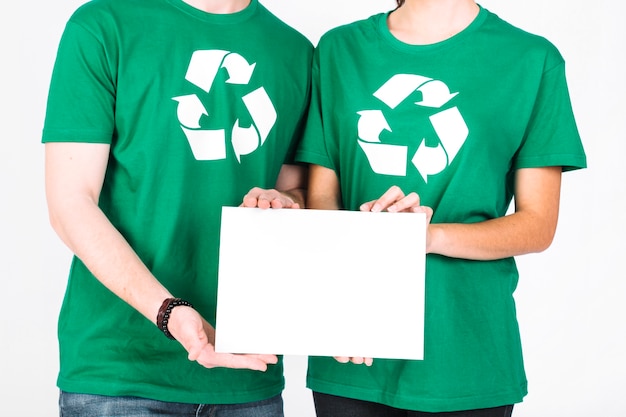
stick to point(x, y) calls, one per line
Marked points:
point(570, 298)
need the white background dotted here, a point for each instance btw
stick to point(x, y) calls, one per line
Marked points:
point(571, 298)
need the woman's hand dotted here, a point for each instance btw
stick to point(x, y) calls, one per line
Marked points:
point(395, 201)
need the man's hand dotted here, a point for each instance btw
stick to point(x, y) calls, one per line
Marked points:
point(262, 198)
point(198, 337)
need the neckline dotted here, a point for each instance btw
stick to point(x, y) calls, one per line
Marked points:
point(215, 18)
point(386, 34)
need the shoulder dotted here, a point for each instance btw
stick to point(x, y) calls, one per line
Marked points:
point(97, 16)
point(98, 8)
point(284, 30)
point(531, 45)
point(107, 13)
point(518, 37)
point(360, 31)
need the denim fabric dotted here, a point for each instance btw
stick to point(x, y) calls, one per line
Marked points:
point(332, 406)
point(87, 405)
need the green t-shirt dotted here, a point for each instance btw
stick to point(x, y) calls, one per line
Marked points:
point(451, 121)
point(198, 108)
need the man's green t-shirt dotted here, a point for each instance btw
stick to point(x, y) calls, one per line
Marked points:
point(198, 108)
point(451, 121)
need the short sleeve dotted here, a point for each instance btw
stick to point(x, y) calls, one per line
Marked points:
point(552, 137)
point(312, 148)
point(81, 99)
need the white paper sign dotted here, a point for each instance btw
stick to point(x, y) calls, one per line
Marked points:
point(321, 283)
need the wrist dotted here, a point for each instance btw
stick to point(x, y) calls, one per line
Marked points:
point(163, 316)
point(434, 235)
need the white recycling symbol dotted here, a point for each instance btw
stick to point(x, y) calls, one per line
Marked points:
point(387, 159)
point(211, 144)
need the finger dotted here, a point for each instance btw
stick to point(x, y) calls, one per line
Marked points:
point(194, 353)
point(200, 340)
point(240, 362)
point(263, 203)
point(426, 210)
point(278, 203)
point(367, 206)
point(197, 349)
point(249, 201)
point(259, 197)
point(268, 359)
point(390, 196)
point(252, 361)
point(410, 201)
point(342, 359)
point(232, 361)
point(284, 203)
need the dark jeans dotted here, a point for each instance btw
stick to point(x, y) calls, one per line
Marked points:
point(332, 406)
point(86, 405)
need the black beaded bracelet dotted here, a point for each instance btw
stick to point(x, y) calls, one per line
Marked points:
point(163, 316)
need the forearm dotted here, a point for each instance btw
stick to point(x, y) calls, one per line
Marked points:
point(529, 229)
point(84, 228)
point(512, 235)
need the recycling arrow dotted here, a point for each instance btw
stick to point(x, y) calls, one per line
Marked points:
point(399, 87)
point(190, 110)
point(371, 125)
point(211, 144)
point(383, 158)
point(203, 68)
point(206, 144)
point(451, 130)
point(429, 160)
point(238, 69)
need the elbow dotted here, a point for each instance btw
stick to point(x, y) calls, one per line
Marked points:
point(55, 220)
point(62, 210)
point(544, 239)
point(542, 246)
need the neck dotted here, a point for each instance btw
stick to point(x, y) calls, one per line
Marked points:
point(423, 22)
point(219, 6)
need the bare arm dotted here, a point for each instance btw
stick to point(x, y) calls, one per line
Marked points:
point(529, 229)
point(324, 191)
point(74, 177)
point(289, 192)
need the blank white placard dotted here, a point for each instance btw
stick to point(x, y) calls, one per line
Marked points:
point(321, 283)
